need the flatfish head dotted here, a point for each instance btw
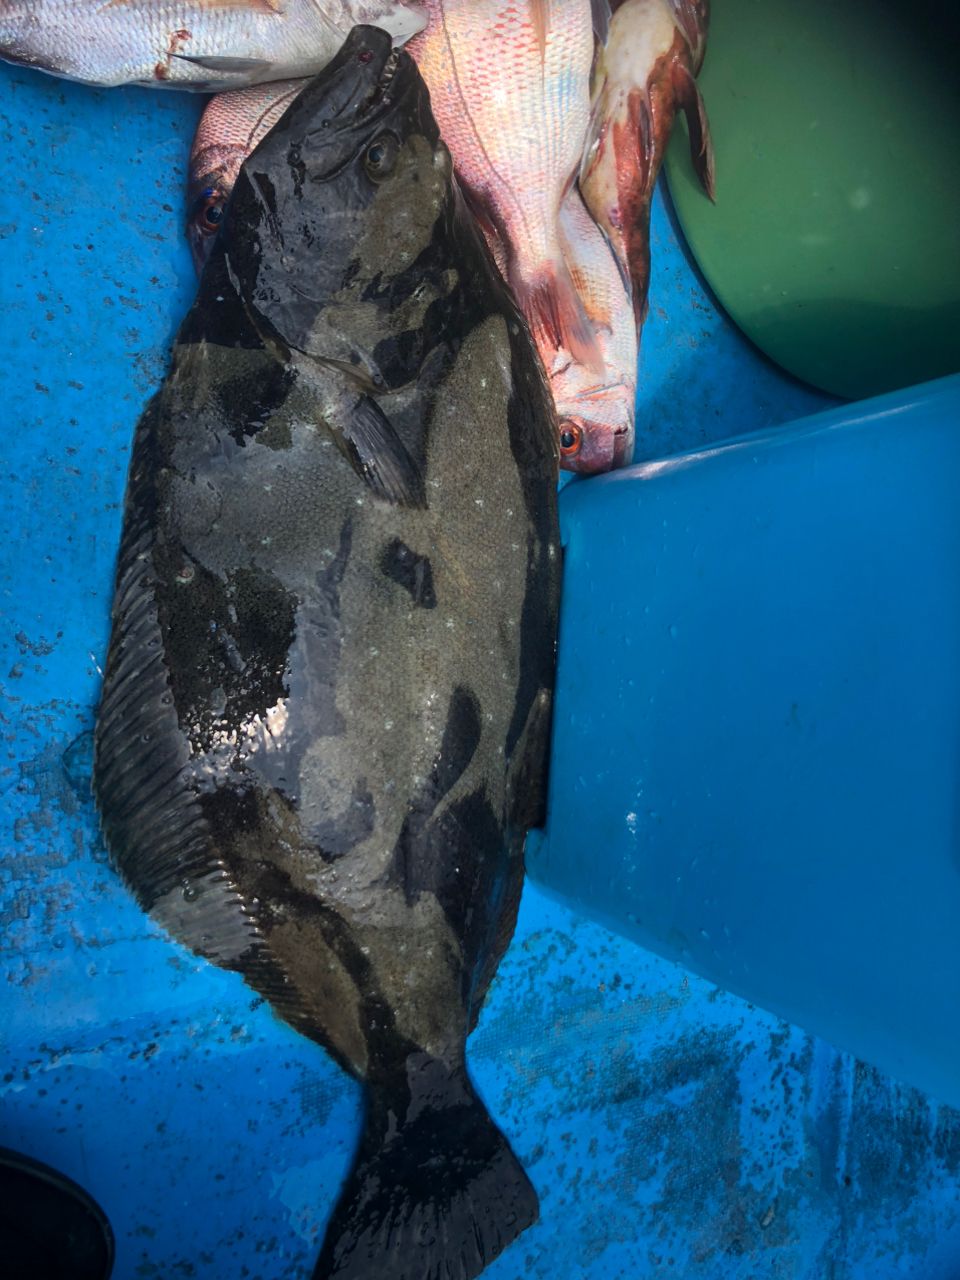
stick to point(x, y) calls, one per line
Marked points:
point(324, 722)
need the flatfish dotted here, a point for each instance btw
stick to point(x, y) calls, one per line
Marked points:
point(325, 714)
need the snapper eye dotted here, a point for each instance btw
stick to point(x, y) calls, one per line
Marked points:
point(380, 157)
point(209, 214)
point(571, 438)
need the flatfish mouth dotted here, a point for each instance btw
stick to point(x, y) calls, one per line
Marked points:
point(325, 714)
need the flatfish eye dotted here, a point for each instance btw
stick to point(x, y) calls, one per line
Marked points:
point(380, 157)
point(209, 214)
point(571, 438)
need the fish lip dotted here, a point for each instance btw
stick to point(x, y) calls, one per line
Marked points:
point(621, 441)
point(386, 79)
point(391, 85)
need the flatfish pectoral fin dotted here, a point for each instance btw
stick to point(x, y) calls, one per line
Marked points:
point(435, 1189)
point(372, 446)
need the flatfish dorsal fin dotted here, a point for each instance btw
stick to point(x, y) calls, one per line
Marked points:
point(150, 813)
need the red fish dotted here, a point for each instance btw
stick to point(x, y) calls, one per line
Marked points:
point(645, 73)
point(510, 88)
point(231, 126)
point(596, 409)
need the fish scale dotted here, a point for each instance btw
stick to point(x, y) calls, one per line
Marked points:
point(510, 88)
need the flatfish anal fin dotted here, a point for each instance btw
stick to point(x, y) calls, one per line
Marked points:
point(527, 771)
point(150, 813)
point(371, 444)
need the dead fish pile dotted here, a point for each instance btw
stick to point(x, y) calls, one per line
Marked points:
point(557, 137)
point(325, 714)
point(556, 113)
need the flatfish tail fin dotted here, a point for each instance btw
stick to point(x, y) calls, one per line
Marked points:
point(435, 1189)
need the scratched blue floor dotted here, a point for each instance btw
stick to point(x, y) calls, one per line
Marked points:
point(671, 1129)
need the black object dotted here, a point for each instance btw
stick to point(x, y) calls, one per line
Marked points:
point(50, 1229)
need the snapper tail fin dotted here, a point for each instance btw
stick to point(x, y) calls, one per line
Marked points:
point(435, 1189)
point(556, 316)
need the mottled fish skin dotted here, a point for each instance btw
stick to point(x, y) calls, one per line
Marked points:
point(596, 412)
point(206, 45)
point(325, 715)
point(644, 74)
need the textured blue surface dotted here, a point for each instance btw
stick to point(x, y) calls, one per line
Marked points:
point(773, 778)
point(671, 1129)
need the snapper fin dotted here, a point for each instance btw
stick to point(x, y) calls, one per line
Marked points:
point(369, 441)
point(690, 100)
point(554, 311)
point(214, 62)
point(692, 18)
point(600, 12)
point(434, 1191)
point(594, 138)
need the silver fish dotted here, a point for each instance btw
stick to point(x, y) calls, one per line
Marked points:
point(324, 723)
point(206, 45)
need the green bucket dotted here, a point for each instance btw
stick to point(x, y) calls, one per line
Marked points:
point(834, 242)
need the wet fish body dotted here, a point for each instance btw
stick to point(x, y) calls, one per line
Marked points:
point(325, 713)
point(231, 126)
point(596, 409)
point(510, 86)
point(207, 45)
point(645, 73)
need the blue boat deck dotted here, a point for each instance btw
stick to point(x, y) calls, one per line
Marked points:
point(671, 1129)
